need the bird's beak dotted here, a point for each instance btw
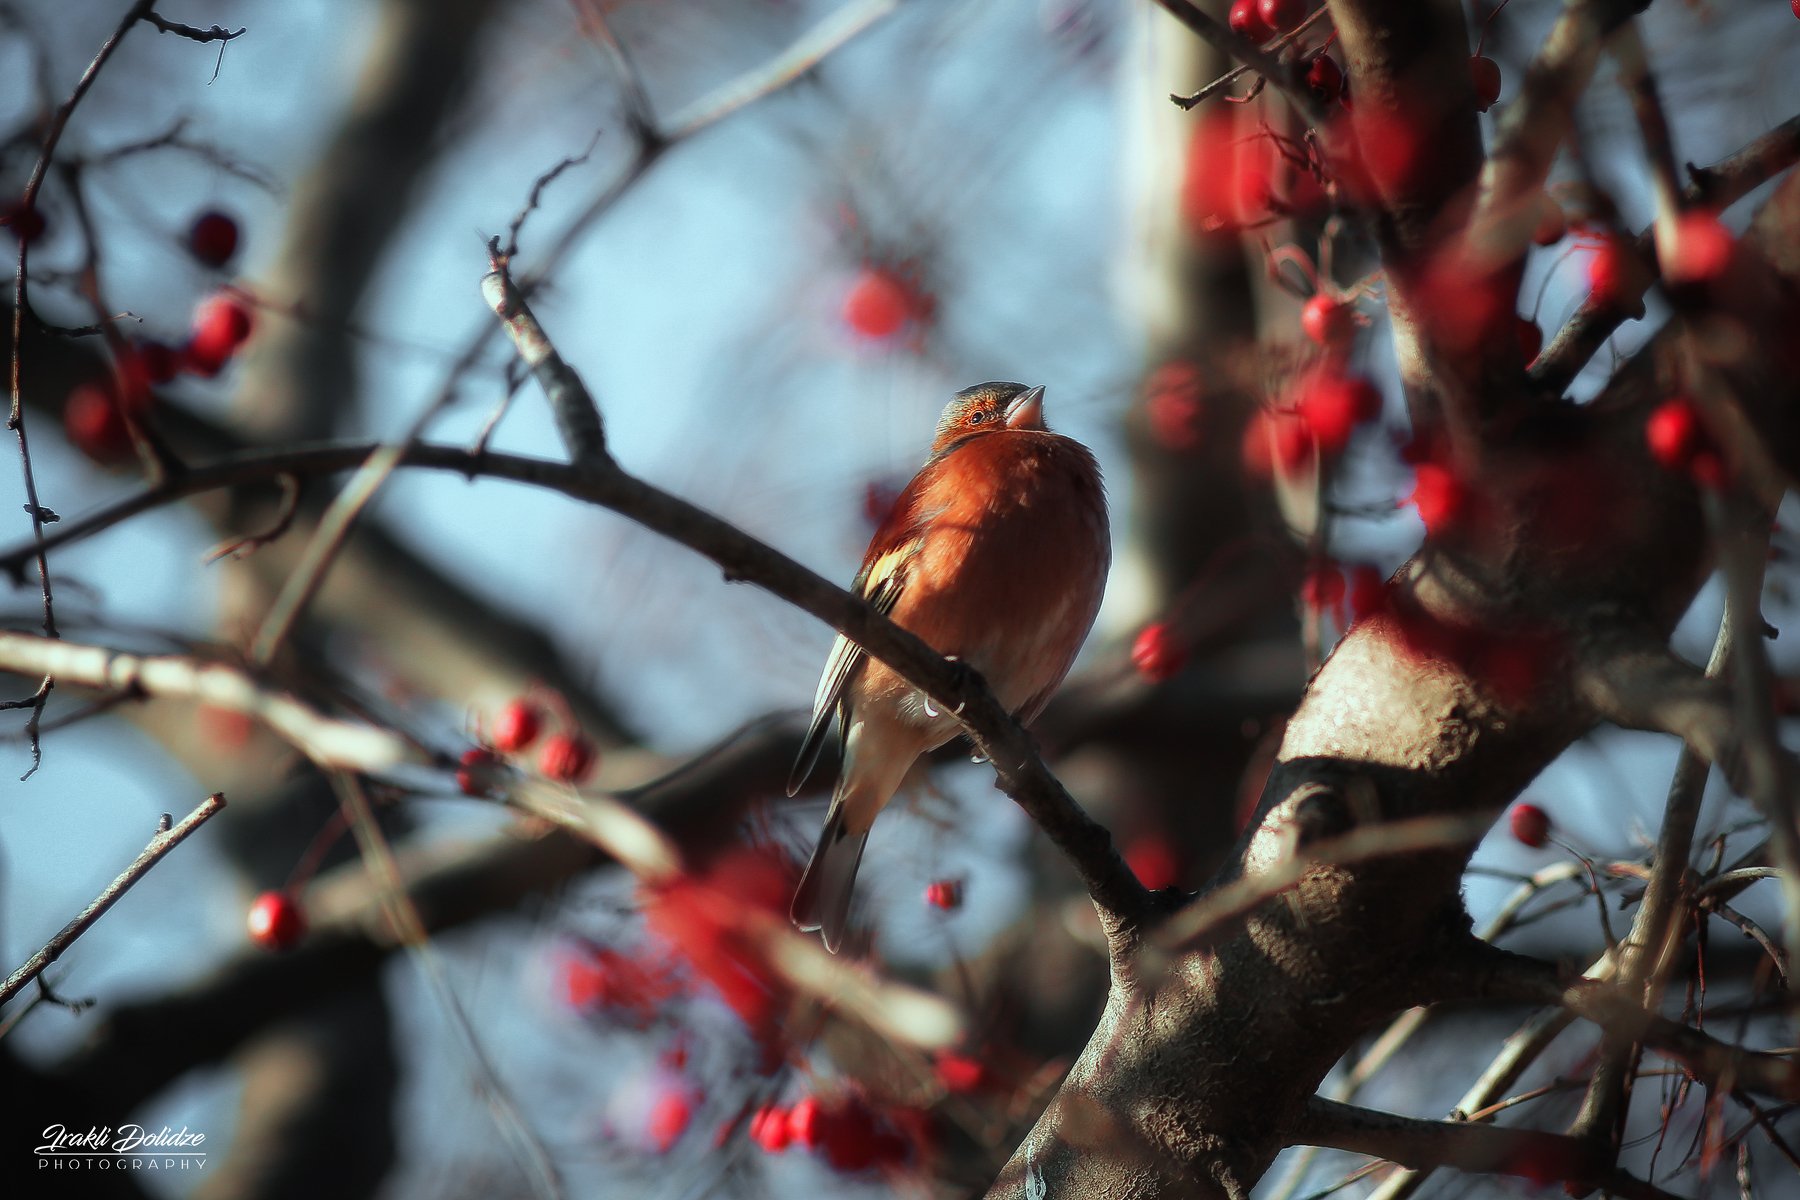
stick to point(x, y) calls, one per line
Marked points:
point(1027, 412)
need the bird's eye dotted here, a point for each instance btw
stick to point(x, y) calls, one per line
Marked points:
point(977, 417)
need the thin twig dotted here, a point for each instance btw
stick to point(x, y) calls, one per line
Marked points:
point(167, 838)
point(1187, 103)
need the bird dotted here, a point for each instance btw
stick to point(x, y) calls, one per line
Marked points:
point(996, 554)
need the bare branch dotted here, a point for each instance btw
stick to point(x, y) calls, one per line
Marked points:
point(167, 838)
point(1468, 1146)
point(1715, 187)
point(326, 740)
point(215, 33)
point(577, 416)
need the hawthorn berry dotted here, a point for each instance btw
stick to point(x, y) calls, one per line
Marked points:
point(1323, 588)
point(1175, 405)
point(805, 1121)
point(1484, 72)
point(1608, 268)
point(1530, 825)
point(1332, 405)
point(1368, 591)
point(880, 303)
point(1158, 653)
point(1153, 861)
point(26, 223)
point(960, 1073)
point(670, 1115)
point(1327, 321)
point(567, 757)
point(1679, 441)
point(213, 238)
point(946, 894)
point(1439, 495)
point(1325, 79)
point(1531, 338)
point(95, 424)
point(517, 726)
point(475, 773)
point(276, 921)
point(1246, 21)
point(769, 1128)
point(1701, 251)
point(1275, 441)
point(222, 323)
point(1281, 16)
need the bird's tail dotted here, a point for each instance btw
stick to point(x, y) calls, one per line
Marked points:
point(822, 901)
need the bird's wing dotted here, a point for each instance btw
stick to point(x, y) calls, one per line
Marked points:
point(880, 585)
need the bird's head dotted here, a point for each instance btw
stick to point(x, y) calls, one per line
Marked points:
point(989, 408)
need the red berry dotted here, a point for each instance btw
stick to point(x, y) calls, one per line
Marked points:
point(1174, 403)
point(1327, 321)
point(213, 239)
point(222, 323)
point(946, 894)
point(1275, 441)
point(153, 363)
point(769, 1129)
point(1608, 269)
point(1323, 588)
point(878, 501)
point(1531, 338)
point(1439, 496)
point(25, 224)
point(959, 1073)
point(276, 921)
point(849, 1138)
point(1485, 73)
point(1679, 441)
point(669, 1117)
point(1368, 591)
point(1701, 252)
point(1153, 861)
point(1282, 16)
point(806, 1121)
point(475, 774)
point(517, 726)
point(1247, 22)
point(95, 425)
point(1325, 79)
point(1795, 6)
point(1530, 825)
point(567, 757)
point(1158, 653)
point(1333, 405)
point(880, 303)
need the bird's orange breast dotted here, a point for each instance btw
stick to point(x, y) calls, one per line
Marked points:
point(1006, 564)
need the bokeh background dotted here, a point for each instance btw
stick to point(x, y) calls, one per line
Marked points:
point(770, 312)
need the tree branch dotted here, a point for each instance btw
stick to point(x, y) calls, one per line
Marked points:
point(167, 838)
point(1468, 1146)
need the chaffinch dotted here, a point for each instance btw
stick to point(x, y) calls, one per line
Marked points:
point(995, 553)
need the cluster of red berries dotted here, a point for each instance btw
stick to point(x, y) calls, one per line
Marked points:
point(94, 414)
point(847, 1133)
point(566, 756)
point(1260, 20)
point(1679, 442)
